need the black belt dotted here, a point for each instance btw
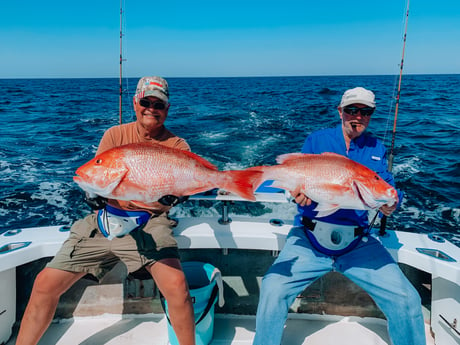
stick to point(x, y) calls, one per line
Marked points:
point(310, 225)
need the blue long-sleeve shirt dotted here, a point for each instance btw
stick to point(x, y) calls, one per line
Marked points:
point(365, 149)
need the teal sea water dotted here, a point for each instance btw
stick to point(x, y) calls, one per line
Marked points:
point(52, 126)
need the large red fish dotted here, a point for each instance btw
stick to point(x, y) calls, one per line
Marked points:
point(143, 173)
point(332, 180)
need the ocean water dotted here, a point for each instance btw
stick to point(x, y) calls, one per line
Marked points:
point(52, 126)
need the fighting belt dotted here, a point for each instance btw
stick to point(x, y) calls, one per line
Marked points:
point(114, 222)
point(332, 239)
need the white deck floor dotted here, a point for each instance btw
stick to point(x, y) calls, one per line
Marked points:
point(228, 330)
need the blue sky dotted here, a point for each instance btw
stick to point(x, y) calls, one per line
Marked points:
point(172, 38)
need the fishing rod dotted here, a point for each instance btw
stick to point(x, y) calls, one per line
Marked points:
point(391, 156)
point(383, 221)
point(120, 101)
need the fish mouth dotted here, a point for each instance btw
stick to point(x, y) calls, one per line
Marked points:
point(77, 179)
point(93, 189)
point(80, 181)
point(92, 185)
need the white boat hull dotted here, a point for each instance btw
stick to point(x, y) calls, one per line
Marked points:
point(106, 311)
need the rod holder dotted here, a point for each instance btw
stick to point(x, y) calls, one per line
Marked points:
point(225, 219)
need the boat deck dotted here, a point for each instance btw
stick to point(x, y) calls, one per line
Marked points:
point(128, 310)
point(151, 329)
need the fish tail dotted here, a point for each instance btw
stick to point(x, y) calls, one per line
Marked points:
point(262, 170)
point(243, 182)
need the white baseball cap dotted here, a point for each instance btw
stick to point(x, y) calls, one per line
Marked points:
point(358, 95)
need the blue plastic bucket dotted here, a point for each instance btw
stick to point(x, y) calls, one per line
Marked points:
point(204, 292)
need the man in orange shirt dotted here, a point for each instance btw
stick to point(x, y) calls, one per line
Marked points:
point(93, 249)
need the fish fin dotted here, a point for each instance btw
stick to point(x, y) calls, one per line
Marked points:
point(296, 155)
point(244, 182)
point(337, 188)
point(289, 157)
point(322, 214)
point(326, 209)
point(200, 159)
point(198, 190)
point(331, 154)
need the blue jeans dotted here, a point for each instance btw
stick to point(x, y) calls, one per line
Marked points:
point(369, 265)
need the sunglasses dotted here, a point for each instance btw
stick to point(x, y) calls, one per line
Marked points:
point(147, 103)
point(366, 111)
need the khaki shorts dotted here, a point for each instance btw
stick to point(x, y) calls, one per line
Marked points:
point(87, 250)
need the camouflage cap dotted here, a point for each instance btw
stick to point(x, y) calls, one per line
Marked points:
point(153, 86)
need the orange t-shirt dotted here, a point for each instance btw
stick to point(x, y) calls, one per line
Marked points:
point(128, 134)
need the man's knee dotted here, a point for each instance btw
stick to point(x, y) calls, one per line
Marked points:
point(54, 282)
point(171, 280)
point(272, 289)
point(177, 288)
point(42, 283)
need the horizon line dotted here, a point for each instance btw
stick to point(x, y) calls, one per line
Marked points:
point(248, 76)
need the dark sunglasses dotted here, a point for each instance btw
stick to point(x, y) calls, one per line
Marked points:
point(147, 103)
point(366, 111)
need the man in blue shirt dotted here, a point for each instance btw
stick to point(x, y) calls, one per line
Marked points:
point(340, 241)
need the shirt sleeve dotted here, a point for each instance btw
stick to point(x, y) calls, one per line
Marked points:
point(182, 145)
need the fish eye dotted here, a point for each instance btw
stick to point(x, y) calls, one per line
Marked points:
point(377, 177)
point(99, 161)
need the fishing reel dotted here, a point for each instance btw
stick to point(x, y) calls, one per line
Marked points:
point(94, 201)
point(172, 200)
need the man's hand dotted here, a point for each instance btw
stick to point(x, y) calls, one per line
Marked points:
point(388, 210)
point(300, 198)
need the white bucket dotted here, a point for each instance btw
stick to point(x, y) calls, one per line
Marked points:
point(205, 283)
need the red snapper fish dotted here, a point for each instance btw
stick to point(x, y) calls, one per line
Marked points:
point(143, 173)
point(332, 180)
